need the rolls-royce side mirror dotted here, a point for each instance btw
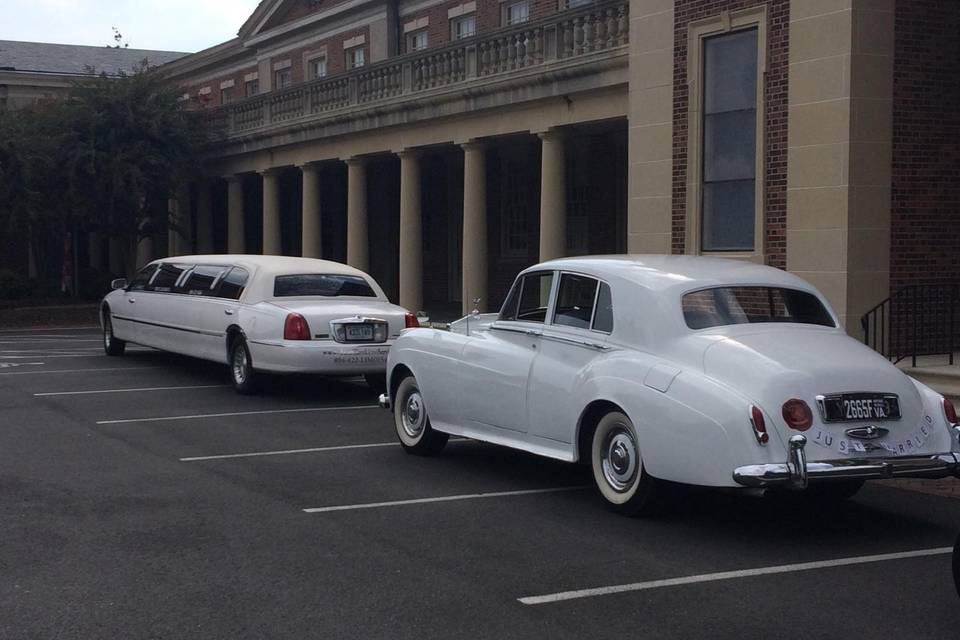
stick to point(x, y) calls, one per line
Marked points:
point(119, 283)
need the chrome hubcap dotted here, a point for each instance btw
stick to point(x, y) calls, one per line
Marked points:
point(240, 365)
point(107, 334)
point(620, 459)
point(414, 417)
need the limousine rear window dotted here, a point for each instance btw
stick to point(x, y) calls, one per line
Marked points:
point(721, 306)
point(318, 284)
point(232, 284)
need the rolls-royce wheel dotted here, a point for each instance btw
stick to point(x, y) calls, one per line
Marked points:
point(412, 422)
point(241, 368)
point(112, 345)
point(618, 468)
point(376, 381)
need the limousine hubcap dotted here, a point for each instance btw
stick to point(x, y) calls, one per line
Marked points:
point(414, 417)
point(620, 460)
point(240, 365)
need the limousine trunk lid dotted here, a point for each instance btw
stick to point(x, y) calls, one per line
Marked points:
point(320, 313)
point(839, 379)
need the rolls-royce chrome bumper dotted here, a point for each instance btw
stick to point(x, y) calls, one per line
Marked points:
point(797, 472)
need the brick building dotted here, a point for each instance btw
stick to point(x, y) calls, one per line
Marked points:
point(444, 145)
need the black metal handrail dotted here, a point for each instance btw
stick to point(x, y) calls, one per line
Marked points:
point(917, 320)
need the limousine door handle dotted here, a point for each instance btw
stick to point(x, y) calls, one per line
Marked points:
point(229, 312)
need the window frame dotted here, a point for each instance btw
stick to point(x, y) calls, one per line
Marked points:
point(454, 22)
point(411, 36)
point(277, 85)
point(551, 297)
point(505, 10)
point(247, 84)
point(312, 63)
point(596, 298)
point(698, 32)
point(349, 55)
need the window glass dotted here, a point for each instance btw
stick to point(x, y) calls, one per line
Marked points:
point(417, 41)
point(140, 281)
point(284, 79)
point(729, 141)
point(603, 318)
point(201, 281)
point(355, 57)
point(166, 277)
point(317, 284)
point(509, 310)
point(575, 300)
point(516, 12)
point(535, 297)
point(464, 27)
point(226, 95)
point(742, 305)
point(251, 88)
point(231, 285)
point(318, 67)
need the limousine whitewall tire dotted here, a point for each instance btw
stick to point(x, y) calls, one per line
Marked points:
point(241, 367)
point(112, 345)
point(412, 422)
point(618, 469)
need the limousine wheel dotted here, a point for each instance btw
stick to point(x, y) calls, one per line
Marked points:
point(112, 345)
point(618, 468)
point(412, 423)
point(241, 367)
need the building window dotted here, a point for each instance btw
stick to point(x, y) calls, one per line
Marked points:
point(417, 41)
point(284, 78)
point(570, 4)
point(355, 57)
point(463, 27)
point(515, 12)
point(728, 188)
point(317, 67)
point(226, 95)
point(251, 88)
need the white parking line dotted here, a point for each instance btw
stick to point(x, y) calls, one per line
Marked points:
point(36, 373)
point(85, 393)
point(45, 340)
point(202, 416)
point(731, 575)
point(288, 452)
point(469, 496)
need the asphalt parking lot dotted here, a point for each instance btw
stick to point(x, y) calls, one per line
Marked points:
point(140, 497)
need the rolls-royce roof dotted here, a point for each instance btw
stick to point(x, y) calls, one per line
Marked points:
point(663, 272)
point(270, 265)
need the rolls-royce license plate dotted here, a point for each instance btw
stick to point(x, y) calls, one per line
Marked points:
point(359, 332)
point(854, 407)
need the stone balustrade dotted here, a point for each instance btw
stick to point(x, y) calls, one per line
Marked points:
point(572, 34)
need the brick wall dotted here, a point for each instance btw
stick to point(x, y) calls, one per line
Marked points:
point(775, 119)
point(925, 197)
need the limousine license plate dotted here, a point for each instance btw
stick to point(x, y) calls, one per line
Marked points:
point(359, 332)
point(854, 407)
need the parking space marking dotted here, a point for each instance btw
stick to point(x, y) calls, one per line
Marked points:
point(288, 452)
point(730, 575)
point(86, 393)
point(35, 373)
point(45, 340)
point(468, 496)
point(202, 416)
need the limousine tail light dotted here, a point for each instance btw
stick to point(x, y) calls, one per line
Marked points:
point(759, 425)
point(950, 412)
point(295, 327)
point(797, 414)
point(411, 321)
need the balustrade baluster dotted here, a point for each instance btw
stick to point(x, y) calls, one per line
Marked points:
point(623, 28)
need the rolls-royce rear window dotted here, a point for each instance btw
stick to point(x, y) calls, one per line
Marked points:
point(721, 306)
point(325, 285)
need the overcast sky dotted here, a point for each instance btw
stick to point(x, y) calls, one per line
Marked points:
point(166, 25)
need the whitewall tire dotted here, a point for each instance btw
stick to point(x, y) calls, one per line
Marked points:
point(618, 469)
point(412, 422)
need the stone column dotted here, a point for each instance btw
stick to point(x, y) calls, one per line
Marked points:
point(411, 232)
point(116, 257)
point(236, 232)
point(474, 226)
point(272, 243)
point(204, 217)
point(312, 238)
point(358, 242)
point(178, 236)
point(553, 197)
point(95, 249)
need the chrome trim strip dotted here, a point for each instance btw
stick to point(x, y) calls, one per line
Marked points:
point(522, 331)
point(939, 465)
point(216, 334)
point(576, 342)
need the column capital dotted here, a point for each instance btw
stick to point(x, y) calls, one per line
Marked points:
point(409, 152)
point(355, 161)
point(270, 172)
point(551, 135)
point(313, 165)
point(474, 145)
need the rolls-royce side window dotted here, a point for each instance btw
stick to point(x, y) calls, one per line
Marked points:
point(231, 285)
point(201, 281)
point(575, 301)
point(603, 316)
point(318, 284)
point(535, 297)
point(721, 306)
point(166, 278)
point(509, 310)
point(142, 279)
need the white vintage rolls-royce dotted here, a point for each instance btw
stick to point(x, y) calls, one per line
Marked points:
point(693, 370)
point(257, 314)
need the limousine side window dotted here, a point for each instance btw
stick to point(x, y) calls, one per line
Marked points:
point(142, 279)
point(232, 284)
point(201, 281)
point(166, 278)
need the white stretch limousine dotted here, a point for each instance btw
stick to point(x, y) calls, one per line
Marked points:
point(257, 313)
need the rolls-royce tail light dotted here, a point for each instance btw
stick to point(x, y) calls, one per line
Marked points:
point(295, 327)
point(411, 321)
point(949, 411)
point(759, 425)
point(797, 414)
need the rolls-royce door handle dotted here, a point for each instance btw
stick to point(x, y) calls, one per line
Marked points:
point(229, 312)
point(131, 300)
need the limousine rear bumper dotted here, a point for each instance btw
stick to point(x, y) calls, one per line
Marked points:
point(318, 356)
